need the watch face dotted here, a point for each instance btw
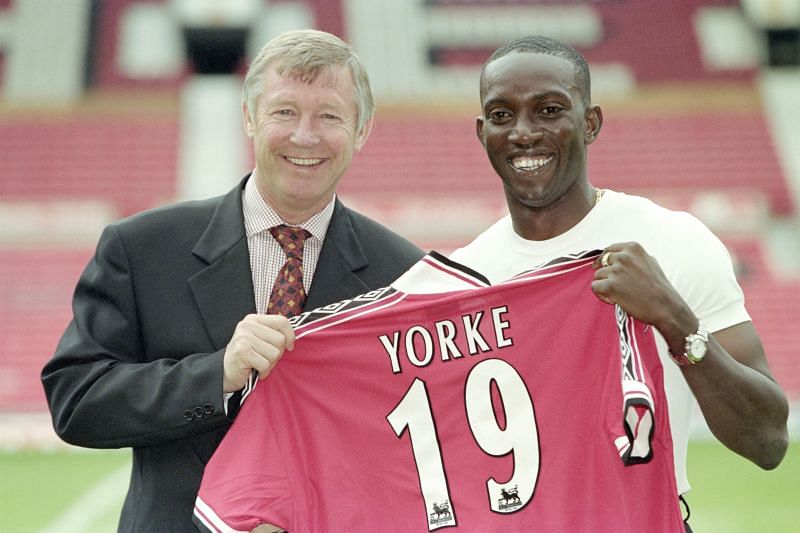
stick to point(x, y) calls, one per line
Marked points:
point(698, 348)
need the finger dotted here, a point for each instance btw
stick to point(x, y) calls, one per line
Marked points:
point(602, 262)
point(279, 324)
point(600, 289)
point(238, 363)
point(260, 364)
point(266, 350)
point(604, 259)
point(270, 329)
point(267, 335)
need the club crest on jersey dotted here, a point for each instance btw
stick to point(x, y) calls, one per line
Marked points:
point(441, 515)
point(509, 500)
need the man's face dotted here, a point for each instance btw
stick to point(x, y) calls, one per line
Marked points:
point(304, 136)
point(535, 126)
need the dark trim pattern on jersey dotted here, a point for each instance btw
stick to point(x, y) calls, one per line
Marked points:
point(344, 310)
point(448, 265)
point(638, 407)
point(559, 263)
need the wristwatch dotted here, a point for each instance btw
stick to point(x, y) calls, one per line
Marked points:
point(695, 347)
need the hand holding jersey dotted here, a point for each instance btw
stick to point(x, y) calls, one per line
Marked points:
point(630, 277)
point(258, 342)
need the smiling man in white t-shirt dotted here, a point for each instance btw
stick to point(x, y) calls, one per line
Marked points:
point(663, 267)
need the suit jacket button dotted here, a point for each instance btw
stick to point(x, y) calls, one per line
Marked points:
point(198, 412)
point(188, 415)
point(208, 409)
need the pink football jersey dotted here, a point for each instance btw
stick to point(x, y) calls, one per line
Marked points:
point(444, 402)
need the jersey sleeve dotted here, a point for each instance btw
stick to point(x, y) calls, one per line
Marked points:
point(245, 483)
point(637, 352)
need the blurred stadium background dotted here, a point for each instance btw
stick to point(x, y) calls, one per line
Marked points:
point(108, 107)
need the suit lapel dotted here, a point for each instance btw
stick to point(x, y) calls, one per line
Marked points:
point(224, 289)
point(341, 257)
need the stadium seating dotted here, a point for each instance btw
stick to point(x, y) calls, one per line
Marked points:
point(770, 299)
point(128, 160)
point(730, 151)
point(36, 287)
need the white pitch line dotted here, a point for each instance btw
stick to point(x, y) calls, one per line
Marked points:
point(92, 504)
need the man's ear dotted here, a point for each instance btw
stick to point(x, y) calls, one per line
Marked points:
point(363, 134)
point(479, 129)
point(594, 121)
point(249, 127)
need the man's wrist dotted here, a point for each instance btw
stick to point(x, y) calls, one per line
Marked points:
point(694, 347)
point(676, 326)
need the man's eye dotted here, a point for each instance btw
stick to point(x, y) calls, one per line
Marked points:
point(499, 115)
point(284, 112)
point(330, 117)
point(551, 109)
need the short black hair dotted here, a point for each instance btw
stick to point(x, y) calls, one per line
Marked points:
point(546, 45)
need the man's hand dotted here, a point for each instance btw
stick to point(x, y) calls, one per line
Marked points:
point(258, 342)
point(631, 278)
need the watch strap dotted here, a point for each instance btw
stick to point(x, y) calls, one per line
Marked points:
point(681, 359)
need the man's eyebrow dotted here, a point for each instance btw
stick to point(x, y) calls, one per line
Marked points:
point(501, 101)
point(495, 102)
point(283, 101)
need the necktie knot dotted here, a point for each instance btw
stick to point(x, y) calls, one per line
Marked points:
point(291, 239)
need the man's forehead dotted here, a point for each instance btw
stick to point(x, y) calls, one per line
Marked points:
point(519, 65)
point(325, 75)
point(520, 71)
point(330, 88)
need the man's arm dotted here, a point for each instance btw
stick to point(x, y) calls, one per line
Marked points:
point(110, 384)
point(741, 402)
point(101, 389)
point(743, 405)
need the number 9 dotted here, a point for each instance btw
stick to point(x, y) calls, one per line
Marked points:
point(519, 437)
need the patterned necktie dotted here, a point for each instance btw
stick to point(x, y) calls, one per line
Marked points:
point(288, 294)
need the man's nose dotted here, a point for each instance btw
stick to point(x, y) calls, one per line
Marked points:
point(305, 133)
point(525, 132)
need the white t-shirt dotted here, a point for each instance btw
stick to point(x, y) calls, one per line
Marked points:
point(694, 260)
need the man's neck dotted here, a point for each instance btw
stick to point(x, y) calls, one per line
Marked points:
point(554, 219)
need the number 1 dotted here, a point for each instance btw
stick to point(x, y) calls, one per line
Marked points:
point(414, 412)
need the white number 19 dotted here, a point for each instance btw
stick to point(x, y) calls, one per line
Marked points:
point(519, 436)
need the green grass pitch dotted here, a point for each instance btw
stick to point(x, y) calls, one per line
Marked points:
point(86, 489)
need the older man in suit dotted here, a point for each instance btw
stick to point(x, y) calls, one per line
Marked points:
point(180, 305)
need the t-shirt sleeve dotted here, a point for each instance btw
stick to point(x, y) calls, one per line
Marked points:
point(245, 483)
point(700, 268)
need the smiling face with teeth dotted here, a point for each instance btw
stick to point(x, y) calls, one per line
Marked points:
point(304, 133)
point(535, 127)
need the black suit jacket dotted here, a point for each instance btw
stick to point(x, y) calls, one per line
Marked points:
point(140, 364)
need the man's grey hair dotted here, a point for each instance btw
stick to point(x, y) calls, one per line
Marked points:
point(304, 54)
